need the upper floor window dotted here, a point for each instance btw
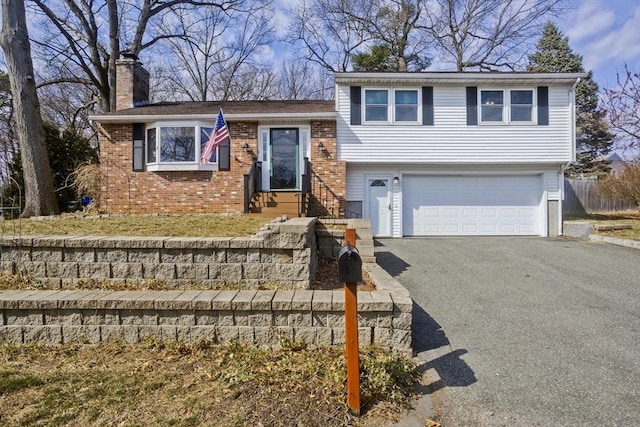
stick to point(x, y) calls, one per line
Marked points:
point(376, 105)
point(176, 146)
point(391, 105)
point(506, 105)
point(521, 105)
point(492, 103)
point(406, 104)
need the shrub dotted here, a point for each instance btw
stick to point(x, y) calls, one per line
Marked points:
point(624, 185)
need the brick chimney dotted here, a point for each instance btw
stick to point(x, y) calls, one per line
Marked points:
point(132, 82)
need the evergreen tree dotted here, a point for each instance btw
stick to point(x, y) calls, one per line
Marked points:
point(378, 59)
point(67, 151)
point(593, 138)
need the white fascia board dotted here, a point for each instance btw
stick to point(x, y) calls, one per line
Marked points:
point(460, 78)
point(148, 118)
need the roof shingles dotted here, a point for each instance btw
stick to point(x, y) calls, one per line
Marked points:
point(229, 107)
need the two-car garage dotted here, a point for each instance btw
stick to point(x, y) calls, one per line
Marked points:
point(441, 205)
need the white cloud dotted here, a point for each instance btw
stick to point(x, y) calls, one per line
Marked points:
point(282, 18)
point(618, 46)
point(590, 20)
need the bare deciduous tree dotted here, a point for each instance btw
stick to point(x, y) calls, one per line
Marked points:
point(216, 51)
point(333, 31)
point(84, 39)
point(623, 107)
point(39, 195)
point(328, 37)
point(487, 34)
point(301, 79)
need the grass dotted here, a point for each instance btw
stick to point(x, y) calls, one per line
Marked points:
point(140, 225)
point(616, 218)
point(156, 383)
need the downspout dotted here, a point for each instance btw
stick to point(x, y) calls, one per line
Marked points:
point(572, 101)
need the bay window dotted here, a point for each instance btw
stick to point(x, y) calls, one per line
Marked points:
point(172, 146)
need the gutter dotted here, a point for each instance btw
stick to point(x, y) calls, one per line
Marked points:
point(459, 77)
point(148, 118)
point(572, 100)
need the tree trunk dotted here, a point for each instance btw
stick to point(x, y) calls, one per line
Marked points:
point(39, 193)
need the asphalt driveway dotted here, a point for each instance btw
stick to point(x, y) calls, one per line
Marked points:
point(524, 331)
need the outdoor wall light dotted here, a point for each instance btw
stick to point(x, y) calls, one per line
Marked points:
point(245, 147)
point(321, 147)
point(396, 180)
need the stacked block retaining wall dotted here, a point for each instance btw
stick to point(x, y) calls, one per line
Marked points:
point(250, 316)
point(283, 252)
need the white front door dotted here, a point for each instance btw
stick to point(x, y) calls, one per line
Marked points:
point(379, 206)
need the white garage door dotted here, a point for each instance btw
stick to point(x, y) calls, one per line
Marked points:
point(471, 205)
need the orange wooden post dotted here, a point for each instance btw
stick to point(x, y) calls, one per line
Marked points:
point(351, 335)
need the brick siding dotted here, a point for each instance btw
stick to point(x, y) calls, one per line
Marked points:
point(125, 191)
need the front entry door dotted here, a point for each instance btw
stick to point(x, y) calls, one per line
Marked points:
point(379, 206)
point(285, 152)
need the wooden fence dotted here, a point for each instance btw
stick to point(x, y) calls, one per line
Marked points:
point(581, 197)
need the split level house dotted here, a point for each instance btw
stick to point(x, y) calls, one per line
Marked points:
point(420, 154)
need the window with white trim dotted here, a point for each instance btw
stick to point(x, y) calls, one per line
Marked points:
point(376, 105)
point(177, 146)
point(521, 101)
point(507, 106)
point(392, 105)
point(406, 105)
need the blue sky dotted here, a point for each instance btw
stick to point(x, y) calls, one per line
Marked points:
point(607, 34)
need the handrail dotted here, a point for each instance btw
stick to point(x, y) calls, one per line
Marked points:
point(305, 187)
point(251, 184)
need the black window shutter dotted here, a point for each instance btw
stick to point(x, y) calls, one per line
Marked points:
point(472, 105)
point(543, 105)
point(356, 103)
point(138, 147)
point(427, 106)
point(224, 156)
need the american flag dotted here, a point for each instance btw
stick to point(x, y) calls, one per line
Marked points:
point(218, 135)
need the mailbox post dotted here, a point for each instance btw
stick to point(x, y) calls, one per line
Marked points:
point(350, 273)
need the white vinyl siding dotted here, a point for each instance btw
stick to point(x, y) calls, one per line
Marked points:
point(450, 140)
point(357, 174)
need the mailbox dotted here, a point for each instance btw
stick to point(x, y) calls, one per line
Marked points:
point(349, 265)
